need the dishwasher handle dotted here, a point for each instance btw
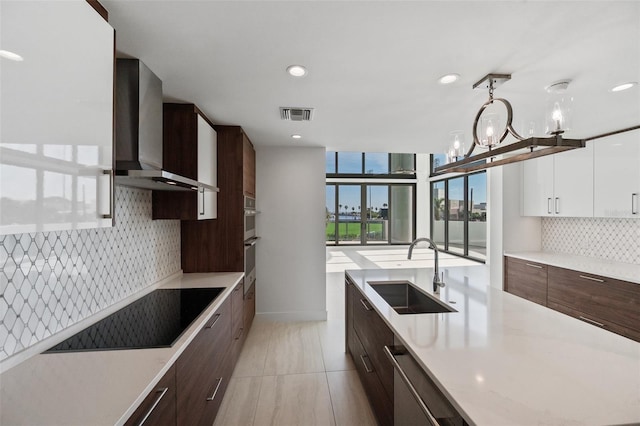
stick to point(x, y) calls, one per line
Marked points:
point(410, 386)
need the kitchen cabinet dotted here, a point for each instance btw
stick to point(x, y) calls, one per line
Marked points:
point(56, 118)
point(249, 309)
point(617, 176)
point(366, 337)
point(218, 246)
point(159, 407)
point(237, 321)
point(604, 302)
point(559, 185)
point(190, 150)
point(203, 370)
point(526, 279)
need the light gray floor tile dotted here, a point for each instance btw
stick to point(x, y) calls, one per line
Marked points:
point(350, 404)
point(240, 401)
point(294, 400)
point(294, 348)
point(332, 335)
point(254, 351)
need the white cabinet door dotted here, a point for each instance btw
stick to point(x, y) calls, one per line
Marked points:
point(537, 187)
point(617, 176)
point(207, 170)
point(559, 185)
point(56, 117)
point(573, 182)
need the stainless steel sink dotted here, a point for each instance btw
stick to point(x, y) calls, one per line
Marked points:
point(406, 298)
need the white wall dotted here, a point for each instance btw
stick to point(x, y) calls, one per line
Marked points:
point(290, 257)
point(508, 231)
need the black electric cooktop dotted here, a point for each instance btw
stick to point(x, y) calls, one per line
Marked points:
point(153, 321)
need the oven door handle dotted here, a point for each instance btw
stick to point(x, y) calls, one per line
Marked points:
point(251, 241)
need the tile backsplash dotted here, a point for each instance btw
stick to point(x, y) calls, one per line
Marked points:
point(613, 239)
point(51, 280)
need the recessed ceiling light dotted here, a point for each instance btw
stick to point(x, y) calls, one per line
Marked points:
point(296, 136)
point(297, 70)
point(624, 86)
point(449, 78)
point(10, 55)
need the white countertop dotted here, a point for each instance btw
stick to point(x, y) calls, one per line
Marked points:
point(98, 388)
point(591, 265)
point(506, 361)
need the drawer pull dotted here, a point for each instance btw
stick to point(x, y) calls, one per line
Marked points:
point(215, 391)
point(634, 206)
point(590, 321)
point(598, 280)
point(557, 204)
point(549, 205)
point(366, 366)
point(366, 306)
point(533, 266)
point(160, 394)
point(215, 320)
point(239, 334)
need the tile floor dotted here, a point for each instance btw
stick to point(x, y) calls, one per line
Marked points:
point(297, 373)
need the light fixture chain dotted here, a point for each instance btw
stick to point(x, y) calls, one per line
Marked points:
point(491, 89)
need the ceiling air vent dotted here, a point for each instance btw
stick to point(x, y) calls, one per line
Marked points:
point(296, 114)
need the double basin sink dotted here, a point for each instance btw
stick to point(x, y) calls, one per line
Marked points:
point(405, 298)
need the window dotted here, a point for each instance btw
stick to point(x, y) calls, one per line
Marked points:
point(459, 215)
point(379, 165)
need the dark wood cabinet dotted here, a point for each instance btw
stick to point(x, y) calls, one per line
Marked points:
point(604, 302)
point(188, 149)
point(237, 321)
point(526, 279)
point(366, 337)
point(249, 307)
point(203, 370)
point(218, 245)
point(159, 407)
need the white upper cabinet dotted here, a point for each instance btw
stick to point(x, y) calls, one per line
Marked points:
point(559, 185)
point(207, 170)
point(56, 117)
point(617, 176)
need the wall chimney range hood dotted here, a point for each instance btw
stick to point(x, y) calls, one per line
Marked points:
point(139, 131)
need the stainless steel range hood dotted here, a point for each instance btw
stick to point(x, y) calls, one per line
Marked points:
point(139, 131)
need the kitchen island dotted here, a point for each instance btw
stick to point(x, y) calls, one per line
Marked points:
point(502, 360)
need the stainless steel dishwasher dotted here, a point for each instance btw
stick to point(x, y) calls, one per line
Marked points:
point(417, 400)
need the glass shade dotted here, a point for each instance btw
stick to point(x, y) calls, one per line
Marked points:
point(558, 113)
point(490, 130)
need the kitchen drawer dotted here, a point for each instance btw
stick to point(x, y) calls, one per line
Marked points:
point(610, 300)
point(249, 311)
point(598, 322)
point(374, 334)
point(526, 279)
point(159, 407)
point(202, 370)
point(381, 402)
point(237, 319)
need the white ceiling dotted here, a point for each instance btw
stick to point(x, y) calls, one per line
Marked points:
point(373, 65)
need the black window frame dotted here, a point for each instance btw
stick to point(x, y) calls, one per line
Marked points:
point(371, 176)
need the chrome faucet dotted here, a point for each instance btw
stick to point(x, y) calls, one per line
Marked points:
point(437, 281)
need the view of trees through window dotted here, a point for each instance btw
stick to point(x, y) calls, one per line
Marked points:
point(359, 211)
point(459, 215)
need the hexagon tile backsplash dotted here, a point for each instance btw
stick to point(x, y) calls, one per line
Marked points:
point(51, 280)
point(613, 239)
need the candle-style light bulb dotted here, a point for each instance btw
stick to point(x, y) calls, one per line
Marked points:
point(556, 116)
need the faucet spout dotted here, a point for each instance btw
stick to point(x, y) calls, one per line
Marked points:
point(437, 281)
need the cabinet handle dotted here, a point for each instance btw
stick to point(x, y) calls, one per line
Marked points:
point(366, 367)
point(533, 266)
point(557, 205)
point(160, 394)
point(239, 334)
point(432, 419)
point(549, 205)
point(215, 320)
point(215, 391)
point(202, 211)
point(590, 321)
point(366, 306)
point(598, 280)
point(111, 195)
point(634, 206)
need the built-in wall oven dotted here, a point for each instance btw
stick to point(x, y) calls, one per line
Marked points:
point(250, 240)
